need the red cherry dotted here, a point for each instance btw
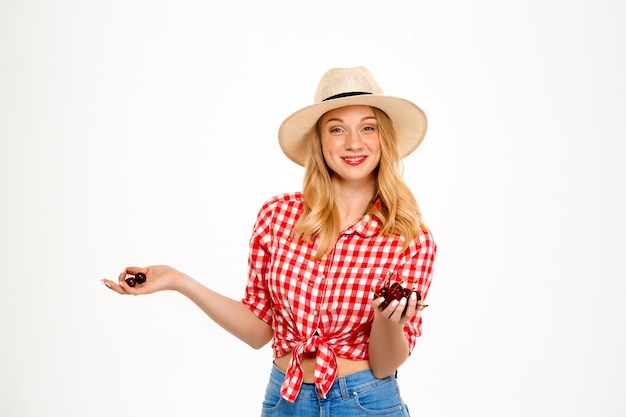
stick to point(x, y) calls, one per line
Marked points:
point(406, 293)
point(393, 292)
point(382, 292)
point(131, 281)
point(140, 277)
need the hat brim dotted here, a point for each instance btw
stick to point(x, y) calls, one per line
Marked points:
point(408, 120)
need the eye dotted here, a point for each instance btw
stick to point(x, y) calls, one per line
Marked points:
point(336, 129)
point(369, 128)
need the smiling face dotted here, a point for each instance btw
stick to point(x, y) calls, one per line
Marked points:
point(351, 143)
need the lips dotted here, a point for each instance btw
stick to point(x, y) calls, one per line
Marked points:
point(354, 160)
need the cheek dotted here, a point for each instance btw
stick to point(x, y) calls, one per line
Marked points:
point(327, 154)
point(374, 146)
point(330, 145)
point(376, 160)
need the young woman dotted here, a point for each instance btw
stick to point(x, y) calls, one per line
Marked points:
point(317, 255)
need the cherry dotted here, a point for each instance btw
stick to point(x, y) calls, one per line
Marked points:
point(393, 292)
point(140, 277)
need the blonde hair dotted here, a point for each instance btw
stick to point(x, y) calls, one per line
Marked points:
point(397, 210)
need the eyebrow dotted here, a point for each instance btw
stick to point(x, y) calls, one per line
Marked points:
point(334, 119)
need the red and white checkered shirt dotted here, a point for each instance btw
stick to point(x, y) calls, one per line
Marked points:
point(324, 306)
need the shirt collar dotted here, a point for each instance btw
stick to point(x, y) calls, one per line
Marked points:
point(366, 226)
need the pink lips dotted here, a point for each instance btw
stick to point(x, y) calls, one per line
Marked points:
point(354, 160)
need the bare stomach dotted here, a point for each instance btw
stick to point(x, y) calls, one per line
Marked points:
point(344, 366)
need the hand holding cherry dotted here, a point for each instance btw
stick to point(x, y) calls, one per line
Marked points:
point(138, 278)
point(396, 291)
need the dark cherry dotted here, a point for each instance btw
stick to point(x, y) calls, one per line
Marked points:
point(140, 277)
point(392, 292)
point(131, 281)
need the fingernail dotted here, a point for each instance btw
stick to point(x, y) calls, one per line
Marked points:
point(403, 301)
point(381, 299)
point(394, 303)
point(413, 296)
point(106, 284)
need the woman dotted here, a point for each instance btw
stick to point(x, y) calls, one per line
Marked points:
point(316, 256)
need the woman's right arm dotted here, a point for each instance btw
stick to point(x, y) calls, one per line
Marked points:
point(232, 315)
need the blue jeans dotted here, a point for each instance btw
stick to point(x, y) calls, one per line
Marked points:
point(357, 394)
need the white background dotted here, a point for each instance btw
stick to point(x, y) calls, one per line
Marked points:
point(143, 132)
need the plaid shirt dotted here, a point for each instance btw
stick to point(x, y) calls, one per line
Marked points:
point(324, 306)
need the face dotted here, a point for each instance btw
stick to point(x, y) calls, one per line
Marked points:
point(350, 143)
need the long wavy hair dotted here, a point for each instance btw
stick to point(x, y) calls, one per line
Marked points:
point(393, 202)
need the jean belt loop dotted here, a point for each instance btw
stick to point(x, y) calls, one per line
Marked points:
point(343, 387)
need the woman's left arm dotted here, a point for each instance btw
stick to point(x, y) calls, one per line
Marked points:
point(388, 346)
point(391, 338)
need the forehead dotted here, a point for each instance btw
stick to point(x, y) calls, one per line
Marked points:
point(347, 112)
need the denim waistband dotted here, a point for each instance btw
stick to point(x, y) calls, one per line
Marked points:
point(342, 387)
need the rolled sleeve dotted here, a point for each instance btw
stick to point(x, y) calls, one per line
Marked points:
point(418, 271)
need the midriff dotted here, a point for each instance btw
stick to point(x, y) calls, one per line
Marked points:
point(344, 366)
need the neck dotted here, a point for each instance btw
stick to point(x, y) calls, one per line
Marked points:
point(351, 201)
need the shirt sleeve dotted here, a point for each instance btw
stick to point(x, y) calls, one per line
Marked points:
point(418, 271)
point(257, 296)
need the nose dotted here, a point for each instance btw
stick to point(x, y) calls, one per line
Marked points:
point(353, 142)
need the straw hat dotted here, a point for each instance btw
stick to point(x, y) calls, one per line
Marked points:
point(340, 87)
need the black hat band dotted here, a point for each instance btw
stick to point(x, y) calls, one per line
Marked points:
point(348, 94)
